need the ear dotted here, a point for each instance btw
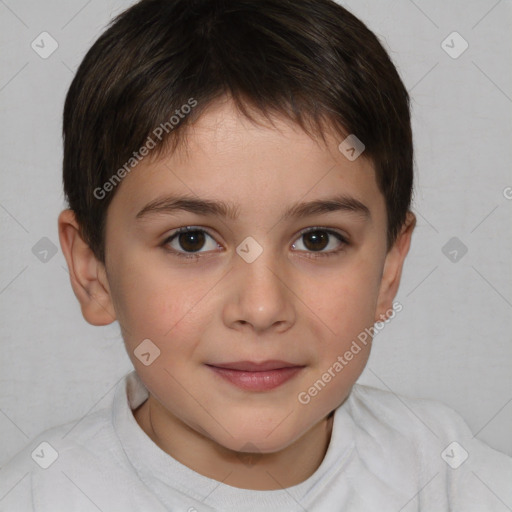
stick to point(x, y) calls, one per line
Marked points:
point(393, 264)
point(87, 274)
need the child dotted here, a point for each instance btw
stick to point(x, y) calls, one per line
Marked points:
point(275, 136)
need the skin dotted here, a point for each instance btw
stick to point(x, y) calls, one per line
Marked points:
point(289, 304)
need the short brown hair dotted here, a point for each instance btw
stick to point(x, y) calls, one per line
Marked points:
point(309, 60)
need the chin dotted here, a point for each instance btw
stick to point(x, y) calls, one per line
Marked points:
point(256, 441)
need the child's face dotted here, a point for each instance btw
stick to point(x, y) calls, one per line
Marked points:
point(290, 304)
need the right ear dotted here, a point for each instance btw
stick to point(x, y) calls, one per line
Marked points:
point(87, 274)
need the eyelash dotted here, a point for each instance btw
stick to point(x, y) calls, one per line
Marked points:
point(309, 254)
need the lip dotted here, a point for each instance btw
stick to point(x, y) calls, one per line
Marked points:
point(252, 366)
point(251, 376)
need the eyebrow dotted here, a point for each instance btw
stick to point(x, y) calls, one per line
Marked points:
point(206, 207)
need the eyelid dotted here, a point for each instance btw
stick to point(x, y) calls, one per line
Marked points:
point(327, 230)
point(184, 229)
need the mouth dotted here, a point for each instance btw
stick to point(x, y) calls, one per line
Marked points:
point(254, 376)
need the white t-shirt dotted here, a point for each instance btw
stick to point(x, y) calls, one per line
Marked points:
point(387, 453)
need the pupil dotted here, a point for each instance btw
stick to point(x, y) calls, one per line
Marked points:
point(319, 240)
point(196, 239)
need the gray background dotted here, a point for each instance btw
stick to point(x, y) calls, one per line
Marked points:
point(451, 341)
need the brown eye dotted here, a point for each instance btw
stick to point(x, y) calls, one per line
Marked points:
point(191, 241)
point(316, 240)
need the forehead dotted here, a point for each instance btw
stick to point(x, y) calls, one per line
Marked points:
point(257, 165)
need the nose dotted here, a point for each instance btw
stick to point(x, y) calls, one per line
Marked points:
point(260, 296)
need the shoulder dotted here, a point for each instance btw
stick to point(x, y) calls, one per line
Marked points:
point(405, 415)
point(424, 422)
point(81, 465)
point(427, 441)
point(53, 457)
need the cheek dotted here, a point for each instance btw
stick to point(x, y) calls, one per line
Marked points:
point(154, 303)
point(141, 299)
point(344, 313)
point(345, 302)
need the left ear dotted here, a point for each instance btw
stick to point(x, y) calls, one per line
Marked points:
point(393, 264)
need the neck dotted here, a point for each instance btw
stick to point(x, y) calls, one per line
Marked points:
point(261, 471)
